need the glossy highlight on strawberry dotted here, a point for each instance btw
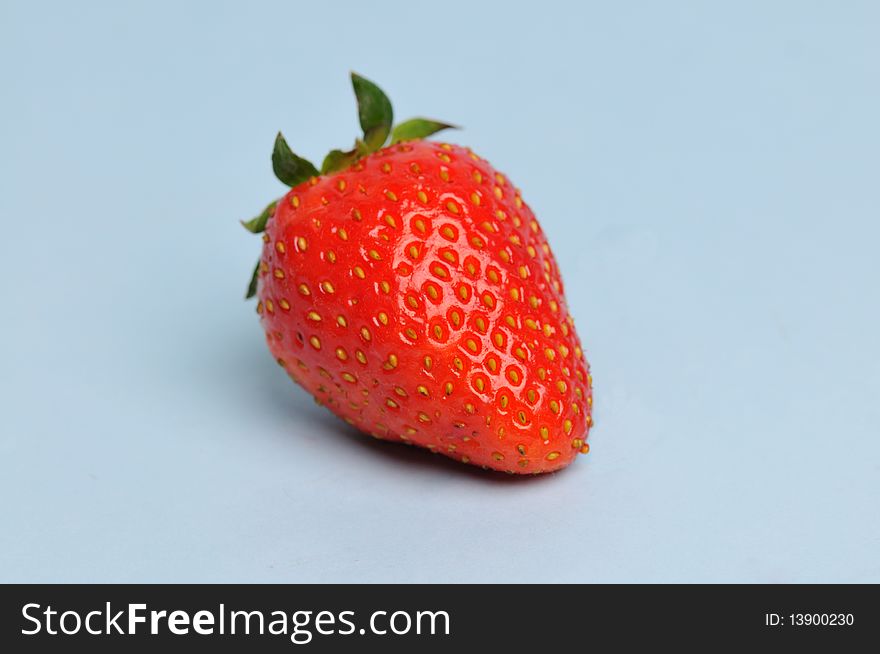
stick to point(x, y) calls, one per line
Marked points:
point(412, 292)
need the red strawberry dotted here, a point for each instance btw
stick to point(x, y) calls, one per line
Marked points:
point(411, 290)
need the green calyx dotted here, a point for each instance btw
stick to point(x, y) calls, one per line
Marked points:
point(258, 224)
point(374, 112)
point(376, 118)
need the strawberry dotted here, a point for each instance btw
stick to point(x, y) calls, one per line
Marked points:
point(411, 291)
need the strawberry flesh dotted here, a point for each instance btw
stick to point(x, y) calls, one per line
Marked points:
point(415, 295)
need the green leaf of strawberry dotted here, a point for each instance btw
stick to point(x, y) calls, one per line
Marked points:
point(374, 112)
point(289, 168)
point(337, 160)
point(417, 128)
point(252, 286)
point(258, 224)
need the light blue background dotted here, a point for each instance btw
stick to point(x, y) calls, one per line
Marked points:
point(707, 173)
